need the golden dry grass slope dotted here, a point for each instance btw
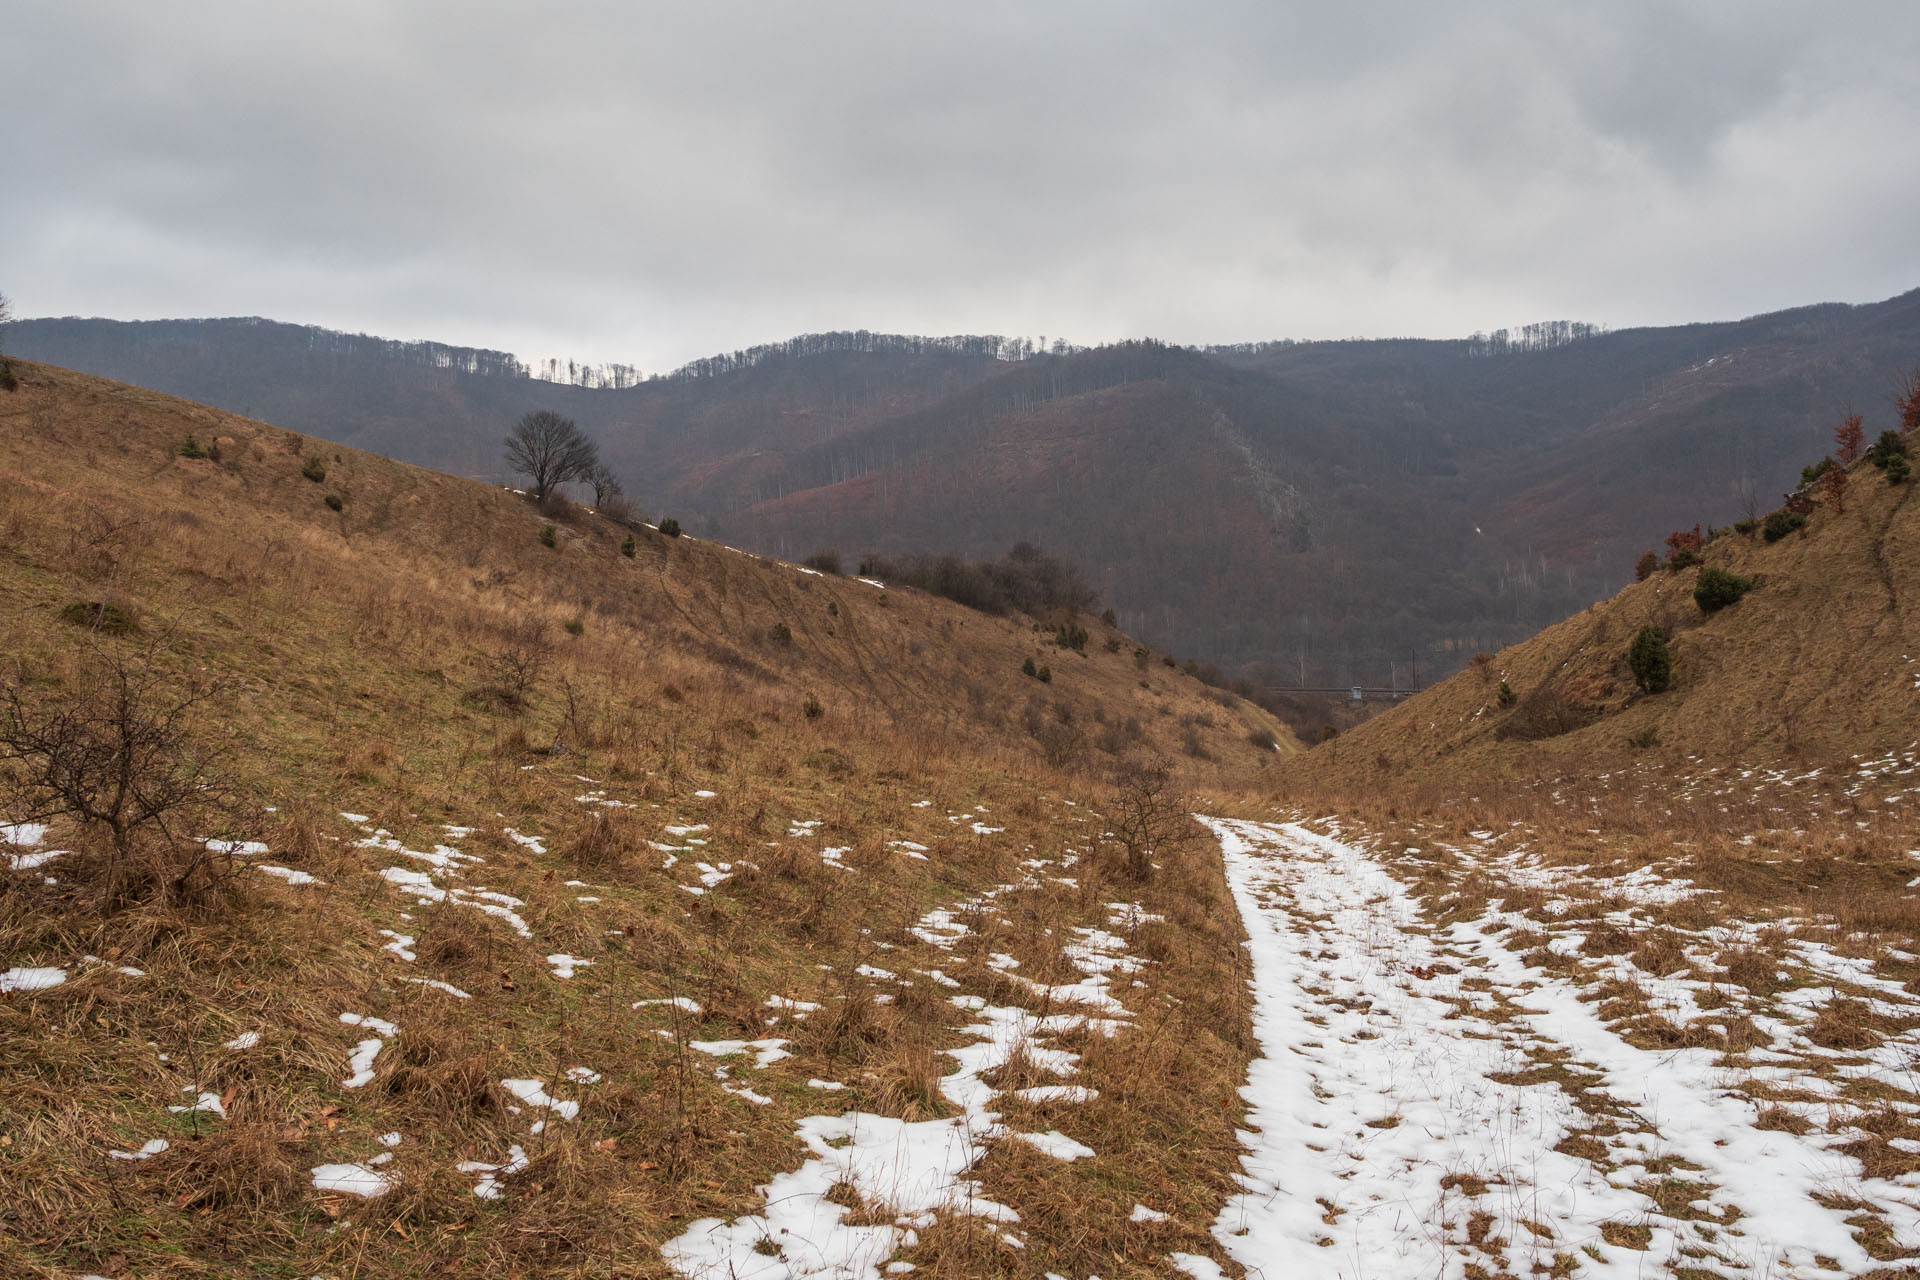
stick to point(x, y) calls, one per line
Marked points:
point(543, 838)
point(1818, 666)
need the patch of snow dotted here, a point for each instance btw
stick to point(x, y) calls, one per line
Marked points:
point(290, 875)
point(1057, 1144)
point(204, 1101)
point(488, 1187)
point(379, 1026)
point(31, 979)
point(146, 1152)
point(912, 1170)
point(564, 964)
point(421, 886)
point(534, 1094)
point(245, 1040)
point(238, 848)
point(352, 1180)
point(766, 1052)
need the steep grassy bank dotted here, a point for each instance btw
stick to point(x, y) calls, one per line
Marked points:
point(554, 824)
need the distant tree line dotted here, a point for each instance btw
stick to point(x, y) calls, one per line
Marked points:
point(979, 346)
point(1025, 580)
point(1543, 336)
point(599, 377)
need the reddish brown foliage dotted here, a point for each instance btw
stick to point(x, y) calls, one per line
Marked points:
point(1907, 400)
point(1833, 483)
point(1849, 438)
point(1645, 567)
point(1685, 540)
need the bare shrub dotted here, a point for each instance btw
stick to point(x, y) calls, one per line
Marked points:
point(1149, 816)
point(1547, 712)
point(114, 753)
point(515, 668)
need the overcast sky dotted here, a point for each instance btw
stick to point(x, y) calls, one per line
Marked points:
point(621, 181)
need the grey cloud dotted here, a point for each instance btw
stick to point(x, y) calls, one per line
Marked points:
point(651, 183)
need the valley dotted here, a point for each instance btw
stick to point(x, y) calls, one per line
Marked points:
point(549, 895)
point(1312, 513)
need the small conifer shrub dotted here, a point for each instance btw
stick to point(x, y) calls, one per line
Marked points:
point(626, 548)
point(1717, 589)
point(315, 470)
point(190, 448)
point(1045, 675)
point(1028, 668)
point(575, 625)
point(1505, 695)
point(1782, 523)
point(334, 502)
point(1649, 660)
point(1810, 474)
point(670, 527)
point(1888, 447)
point(1898, 469)
point(549, 537)
point(812, 709)
point(1682, 559)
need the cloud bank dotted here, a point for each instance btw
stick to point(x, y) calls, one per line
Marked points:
point(648, 183)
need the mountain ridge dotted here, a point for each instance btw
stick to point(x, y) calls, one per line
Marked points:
point(1427, 498)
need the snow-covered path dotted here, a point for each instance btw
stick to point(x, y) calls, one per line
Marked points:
point(1425, 1103)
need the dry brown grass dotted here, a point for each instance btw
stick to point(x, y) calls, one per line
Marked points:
point(351, 644)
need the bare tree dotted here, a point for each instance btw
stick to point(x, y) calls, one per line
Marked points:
point(7, 380)
point(1906, 399)
point(605, 484)
point(550, 450)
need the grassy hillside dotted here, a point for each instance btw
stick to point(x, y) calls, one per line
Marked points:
point(607, 871)
point(1326, 513)
point(1816, 666)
